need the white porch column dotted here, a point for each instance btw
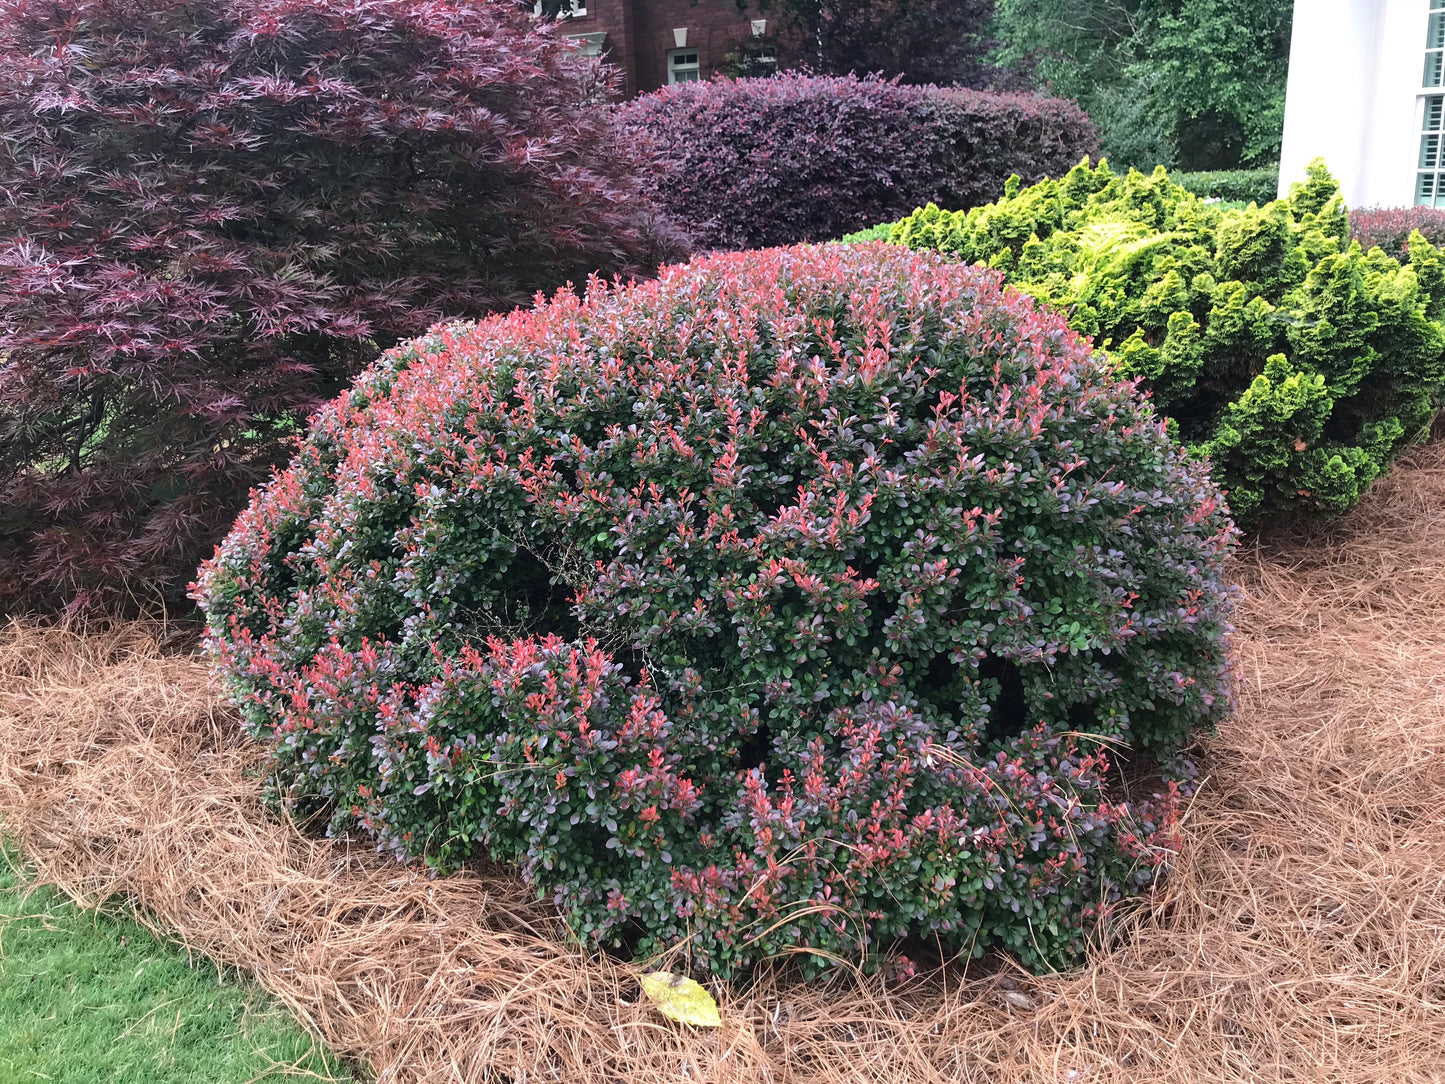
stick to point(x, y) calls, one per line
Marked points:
point(1355, 96)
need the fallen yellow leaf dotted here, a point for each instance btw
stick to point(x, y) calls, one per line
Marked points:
point(679, 998)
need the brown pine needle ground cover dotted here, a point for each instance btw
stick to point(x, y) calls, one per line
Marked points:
point(1300, 937)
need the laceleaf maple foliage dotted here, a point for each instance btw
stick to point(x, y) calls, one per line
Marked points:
point(215, 213)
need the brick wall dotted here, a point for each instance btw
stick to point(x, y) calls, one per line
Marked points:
point(640, 34)
point(714, 27)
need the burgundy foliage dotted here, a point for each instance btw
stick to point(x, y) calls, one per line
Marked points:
point(756, 162)
point(787, 602)
point(215, 213)
point(1390, 227)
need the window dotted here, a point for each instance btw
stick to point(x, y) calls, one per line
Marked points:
point(568, 9)
point(683, 66)
point(1435, 46)
point(1430, 168)
point(588, 44)
point(755, 62)
point(1430, 180)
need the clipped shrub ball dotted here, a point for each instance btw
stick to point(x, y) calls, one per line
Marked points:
point(745, 163)
point(215, 214)
point(1300, 363)
point(784, 605)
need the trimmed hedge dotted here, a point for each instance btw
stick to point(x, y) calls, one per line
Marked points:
point(1390, 228)
point(754, 162)
point(881, 232)
point(782, 605)
point(1299, 363)
point(1232, 185)
point(215, 214)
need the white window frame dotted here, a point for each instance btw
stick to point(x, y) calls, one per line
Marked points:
point(571, 9)
point(1430, 163)
point(690, 70)
point(589, 44)
point(1434, 74)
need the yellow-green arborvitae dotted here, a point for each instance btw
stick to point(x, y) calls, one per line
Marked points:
point(1299, 363)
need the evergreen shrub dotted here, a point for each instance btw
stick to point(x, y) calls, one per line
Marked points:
point(748, 163)
point(1298, 362)
point(785, 604)
point(1231, 185)
point(881, 232)
point(215, 214)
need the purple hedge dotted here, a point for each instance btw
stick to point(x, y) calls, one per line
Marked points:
point(756, 162)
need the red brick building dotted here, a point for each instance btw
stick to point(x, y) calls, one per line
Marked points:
point(657, 42)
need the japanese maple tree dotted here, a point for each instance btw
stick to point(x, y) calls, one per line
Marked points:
point(215, 213)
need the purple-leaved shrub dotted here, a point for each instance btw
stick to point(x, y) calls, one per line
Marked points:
point(786, 604)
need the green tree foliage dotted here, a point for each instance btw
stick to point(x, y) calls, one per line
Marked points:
point(1192, 84)
point(1298, 362)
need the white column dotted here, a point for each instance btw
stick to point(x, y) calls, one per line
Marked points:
point(1392, 127)
point(1329, 102)
point(1355, 96)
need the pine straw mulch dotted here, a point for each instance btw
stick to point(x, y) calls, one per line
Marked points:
point(1301, 935)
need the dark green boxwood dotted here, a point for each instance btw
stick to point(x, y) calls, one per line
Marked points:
point(1232, 185)
point(881, 232)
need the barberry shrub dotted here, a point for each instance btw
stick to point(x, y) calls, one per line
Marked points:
point(747, 163)
point(786, 604)
point(216, 213)
point(1390, 228)
point(1300, 363)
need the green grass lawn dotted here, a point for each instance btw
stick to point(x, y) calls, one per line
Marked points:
point(90, 999)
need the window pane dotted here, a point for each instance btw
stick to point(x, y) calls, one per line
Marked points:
point(1430, 152)
point(1425, 189)
point(1434, 113)
point(1435, 36)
